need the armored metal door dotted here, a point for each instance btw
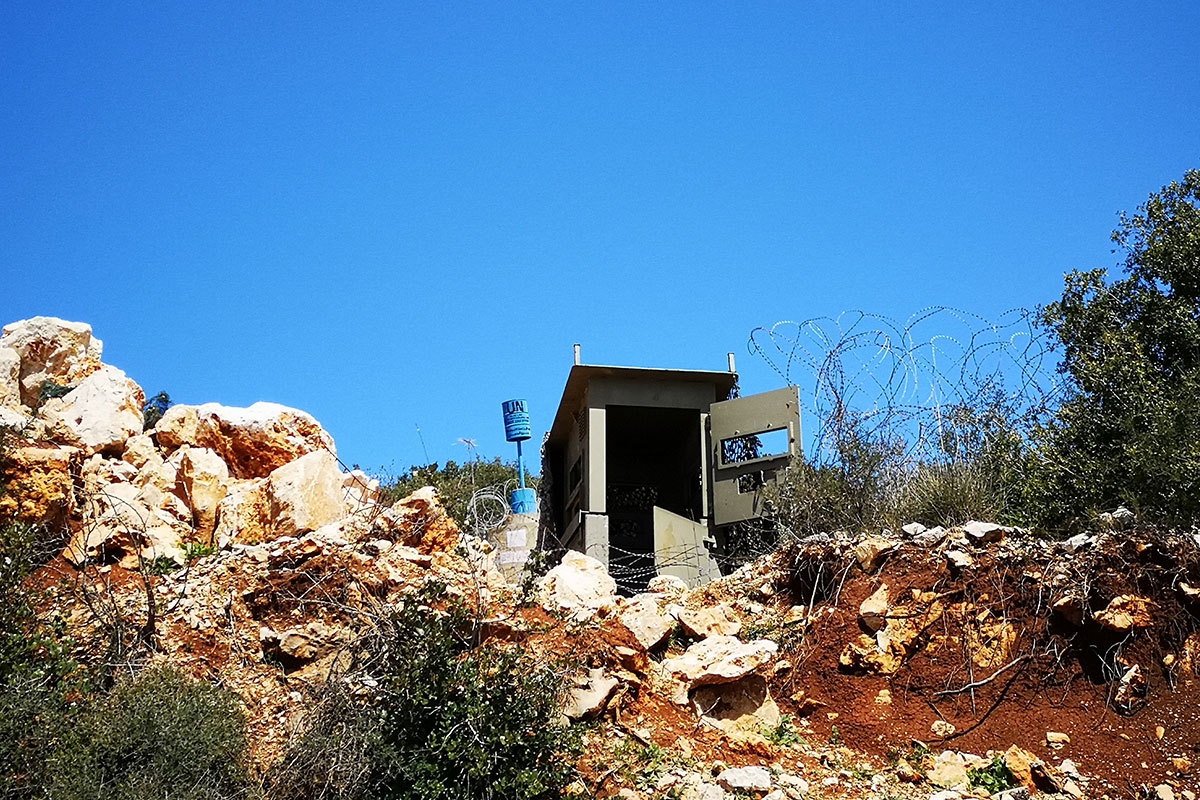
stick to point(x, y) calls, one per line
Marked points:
point(751, 439)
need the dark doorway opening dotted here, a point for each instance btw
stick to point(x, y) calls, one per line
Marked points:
point(653, 459)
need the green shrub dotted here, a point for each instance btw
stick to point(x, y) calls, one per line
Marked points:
point(36, 672)
point(49, 390)
point(425, 711)
point(158, 735)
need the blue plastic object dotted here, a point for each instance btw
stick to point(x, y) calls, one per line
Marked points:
point(517, 429)
point(523, 501)
point(516, 420)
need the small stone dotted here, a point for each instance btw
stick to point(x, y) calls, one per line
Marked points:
point(957, 559)
point(985, 532)
point(947, 794)
point(1164, 792)
point(942, 729)
point(1056, 741)
point(1126, 612)
point(747, 779)
point(884, 698)
point(870, 552)
point(1160, 732)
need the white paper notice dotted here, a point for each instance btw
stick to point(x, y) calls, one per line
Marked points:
point(516, 538)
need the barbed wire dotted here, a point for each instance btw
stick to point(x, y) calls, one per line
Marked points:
point(897, 382)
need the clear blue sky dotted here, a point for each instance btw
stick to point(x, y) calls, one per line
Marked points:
point(401, 214)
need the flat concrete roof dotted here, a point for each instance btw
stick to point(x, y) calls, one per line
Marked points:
point(581, 374)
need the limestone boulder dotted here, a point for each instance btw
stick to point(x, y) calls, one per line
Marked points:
point(1125, 613)
point(645, 618)
point(872, 613)
point(305, 494)
point(745, 779)
point(579, 586)
point(203, 477)
point(418, 521)
point(252, 441)
point(10, 378)
point(13, 417)
point(670, 586)
point(36, 485)
point(360, 491)
point(99, 414)
point(243, 515)
point(717, 659)
point(949, 771)
point(51, 349)
point(301, 645)
point(871, 552)
point(718, 620)
point(118, 528)
point(139, 449)
point(985, 532)
point(589, 695)
point(743, 708)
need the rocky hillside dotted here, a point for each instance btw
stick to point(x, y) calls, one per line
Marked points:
point(922, 663)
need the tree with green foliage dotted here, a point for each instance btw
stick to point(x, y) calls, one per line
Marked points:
point(1128, 431)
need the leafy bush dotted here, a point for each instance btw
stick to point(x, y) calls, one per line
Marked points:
point(1128, 432)
point(158, 735)
point(36, 672)
point(50, 390)
point(993, 777)
point(424, 710)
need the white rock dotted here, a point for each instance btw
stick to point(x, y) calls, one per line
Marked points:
point(360, 491)
point(672, 586)
point(870, 552)
point(590, 695)
point(702, 791)
point(305, 494)
point(985, 532)
point(10, 378)
point(51, 349)
point(252, 441)
point(13, 417)
point(646, 620)
point(718, 620)
point(1078, 542)
point(873, 611)
point(957, 559)
point(138, 450)
point(942, 729)
point(717, 659)
point(203, 479)
point(930, 537)
point(746, 779)
point(579, 586)
point(99, 414)
point(913, 529)
point(946, 794)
